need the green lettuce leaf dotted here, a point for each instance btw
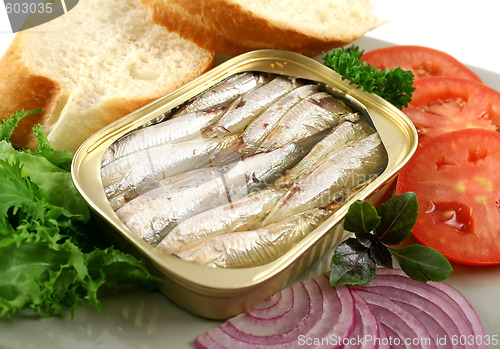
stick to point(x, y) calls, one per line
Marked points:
point(49, 261)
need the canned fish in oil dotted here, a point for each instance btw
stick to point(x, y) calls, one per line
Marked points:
point(230, 127)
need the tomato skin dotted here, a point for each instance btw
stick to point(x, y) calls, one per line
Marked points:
point(444, 104)
point(456, 178)
point(422, 61)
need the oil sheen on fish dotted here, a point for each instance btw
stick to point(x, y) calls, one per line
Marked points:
point(311, 115)
point(170, 185)
point(152, 215)
point(254, 247)
point(260, 128)
point(335, 177)
point(342, 136)
point(224, 92)
point(183, 128)
point(242, 214)
point(243, 171)
point(248, 106)
point(138, 169)
point(196, 177)
point(257, 245)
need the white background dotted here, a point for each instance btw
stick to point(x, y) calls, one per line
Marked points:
point(468, 30)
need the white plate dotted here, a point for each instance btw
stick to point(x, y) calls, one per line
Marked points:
point(137, 319)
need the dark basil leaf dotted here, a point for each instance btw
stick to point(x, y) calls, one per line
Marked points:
point(381, 255)
point(361, 217)
point(422, 263)
point(365, 239)
point(398, 216)
point(351, 264)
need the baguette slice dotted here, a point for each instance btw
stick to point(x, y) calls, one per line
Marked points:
point(91, 66)
point(232, 27)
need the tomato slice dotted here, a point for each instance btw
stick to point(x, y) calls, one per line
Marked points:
point(422, 61)
point(444, 104)
point(456, 178)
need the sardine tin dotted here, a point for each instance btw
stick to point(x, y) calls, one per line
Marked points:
point(220, 293)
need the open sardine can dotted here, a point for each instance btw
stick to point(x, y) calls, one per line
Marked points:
point(216, 292)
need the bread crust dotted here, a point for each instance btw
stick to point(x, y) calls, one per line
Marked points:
point(254, 32)
point(191, 26)
point(229, 29)
point(110, 110)
point(23, 89)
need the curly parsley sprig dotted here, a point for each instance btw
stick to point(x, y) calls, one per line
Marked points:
point(394, 85)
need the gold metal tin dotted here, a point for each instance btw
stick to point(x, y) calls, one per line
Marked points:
point(219, 293)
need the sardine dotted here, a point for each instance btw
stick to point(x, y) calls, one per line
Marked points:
point(224, 92)
point(152, 215)
point(342, 136)
point(335, 177)
point(260, 128)
point(311, 115)
point(136, 170)
point(179, 129)
point(242, 214)
point(250, 248)
point(254, 247)
point(170, 185)
point(248, 106)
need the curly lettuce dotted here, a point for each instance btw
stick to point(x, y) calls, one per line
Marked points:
point(50, 261)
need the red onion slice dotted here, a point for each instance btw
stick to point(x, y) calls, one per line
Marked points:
point(366, 331)
point(437, 321)
point(328, 311)
point(450, 296)
point(281, 303)
point(278, 320)
point(397, 276)
point(383, 339)
point(273, 301)
point(207, 342)
point(341, 323)
point(441, 318)
point(466, 307)
point(404, 329)
point(393, 311)
point(254, 330)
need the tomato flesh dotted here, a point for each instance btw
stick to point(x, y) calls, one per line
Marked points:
point(422, 61)
point(456, 178)
point(445, 104)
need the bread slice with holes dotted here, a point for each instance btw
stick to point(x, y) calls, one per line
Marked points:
point(231, 27)
point(91, 66)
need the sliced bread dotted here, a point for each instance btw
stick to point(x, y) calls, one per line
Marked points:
point(91, 66)
point(231, 27)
